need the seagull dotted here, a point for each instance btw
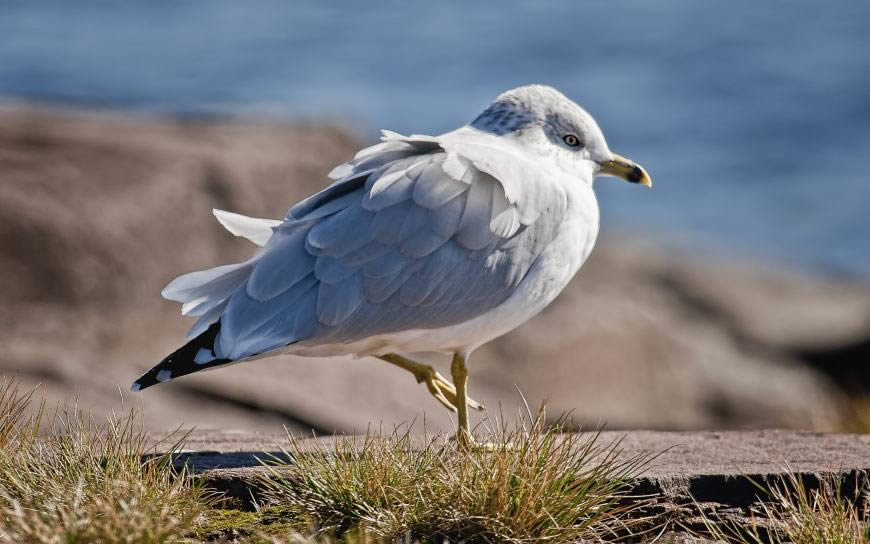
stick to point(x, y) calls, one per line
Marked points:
point(420, 244)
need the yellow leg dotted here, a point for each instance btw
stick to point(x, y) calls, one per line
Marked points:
point(438, 385)
point(460, 379)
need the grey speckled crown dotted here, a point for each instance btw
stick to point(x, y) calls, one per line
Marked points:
point(503, 116)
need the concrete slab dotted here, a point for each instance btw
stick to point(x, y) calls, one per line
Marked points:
point(702, 467)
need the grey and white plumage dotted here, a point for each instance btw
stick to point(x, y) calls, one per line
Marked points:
point(421, 243)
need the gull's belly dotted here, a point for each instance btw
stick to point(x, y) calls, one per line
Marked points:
point(552, 271)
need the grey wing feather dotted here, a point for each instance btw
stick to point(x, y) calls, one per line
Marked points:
point(428, 278)
point(445, 220)
point(336, 301)
point(250, 326)
point(394, 185)
point(434, 189)
point(379, 289)
point(284, 263)
point(388, 264)
point(421, 243)
point(414, 222)
point(366, 253)
point(340, 234)
point(473, 231)
point(306, 323)
point(331, 270)
point(386, 225)
point(329, 200)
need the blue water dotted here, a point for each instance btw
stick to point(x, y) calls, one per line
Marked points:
point(752, 117)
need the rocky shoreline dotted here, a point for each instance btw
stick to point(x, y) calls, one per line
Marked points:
point(98, 212)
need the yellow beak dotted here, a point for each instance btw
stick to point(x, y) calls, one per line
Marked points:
point(626, 169)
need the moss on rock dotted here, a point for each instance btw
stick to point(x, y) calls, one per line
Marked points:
point(228, 525)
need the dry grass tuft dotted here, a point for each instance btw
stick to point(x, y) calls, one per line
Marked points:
point(532, 484)
point(86, 482)
point(794, 512)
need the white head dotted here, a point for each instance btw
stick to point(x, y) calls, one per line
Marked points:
point(547, 123)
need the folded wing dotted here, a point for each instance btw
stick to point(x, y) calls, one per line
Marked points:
point(416, 233)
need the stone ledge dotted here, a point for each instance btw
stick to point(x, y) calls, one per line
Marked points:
point(691, 467)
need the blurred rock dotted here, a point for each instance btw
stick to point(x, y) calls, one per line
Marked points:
point(98, 213)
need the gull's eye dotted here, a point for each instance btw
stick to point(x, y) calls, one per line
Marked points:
point(571, 140)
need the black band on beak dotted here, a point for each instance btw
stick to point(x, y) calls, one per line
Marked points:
point(626, 169)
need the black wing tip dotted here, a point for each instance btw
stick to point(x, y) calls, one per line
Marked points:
point(150, 378)
point(181, 361)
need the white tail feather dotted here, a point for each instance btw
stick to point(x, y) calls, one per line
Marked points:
point(206, 292)
point(207, 319)
point(254, 229)
point(207, 283)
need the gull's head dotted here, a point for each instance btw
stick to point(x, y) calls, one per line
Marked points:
point(547, 123)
